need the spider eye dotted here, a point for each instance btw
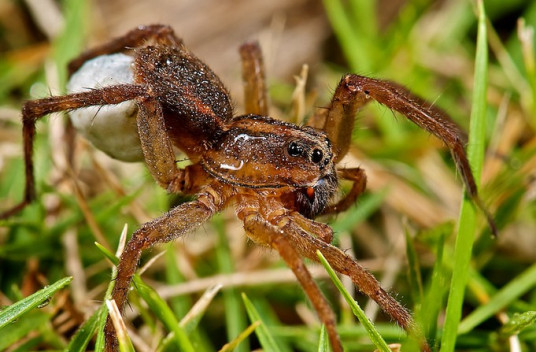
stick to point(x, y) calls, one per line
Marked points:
point(294, 149)
point(317, 156)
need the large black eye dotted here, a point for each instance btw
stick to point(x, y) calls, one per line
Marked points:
point(294, 149)
point(317, 156)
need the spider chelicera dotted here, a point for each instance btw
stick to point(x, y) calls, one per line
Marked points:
point(277, 175)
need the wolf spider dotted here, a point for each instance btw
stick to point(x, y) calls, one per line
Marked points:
point(279, 176)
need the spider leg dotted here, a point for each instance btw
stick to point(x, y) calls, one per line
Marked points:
point(35, 109)
point(355, 91)
point(307, 245)
point(174, 224)
point(161, 34)
point(158, 151)
point(322, 231)
point(359, 179)
point(263, 232)
point(255, 98)
point(337, 120)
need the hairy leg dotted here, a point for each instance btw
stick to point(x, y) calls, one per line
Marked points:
point(174, 224)
point(307, 245)
point(359, 179)
point(158, 151)
point(35, 109)
point(355, 91)
point(263, 232)
point(255, 99)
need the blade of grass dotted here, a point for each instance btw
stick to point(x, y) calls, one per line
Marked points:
point(509, 293)
point(270, 318)
point(101, 321)
point(266, 338)
point(84, 334)
point(363, 14)
point(374, 335)
point(23, 327)
point(109, 255)
point(433, 302)
point(180, 304)
point(323, 342)
point(159, 307)
point(526, 37)
point(16, 310)
point(70, 41)
point(352, 45)
point(231, 346)
point(125, 345)
point(194, 315)
point(467, 221)
point(234, 315)
point(191, 320)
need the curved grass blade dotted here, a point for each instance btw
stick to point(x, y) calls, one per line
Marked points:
point(375, 336)
point(14, 311)
point(125, 345)
point(509, 293)
point(83, 335)
point(467, 221)
point(231, 346)
point(159, 307)
point(266, 339)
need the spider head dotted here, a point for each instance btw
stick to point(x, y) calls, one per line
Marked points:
point(263, 153)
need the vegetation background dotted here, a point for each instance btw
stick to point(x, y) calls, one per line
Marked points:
point(404, 228)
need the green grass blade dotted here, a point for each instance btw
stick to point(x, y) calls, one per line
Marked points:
point(266, 338)
point(323, 341)
point(363, 14)
point(433, 303)
point(415, 278)
point(159, 307)
point(23, 327)
point(190, 322)
point(375, 336)
point(83, 335)
point(180, 304)
point(352, 45)
point(16, 310)
point(509, 293)
point(125, 345)
point(234, 314)
point(467, 221)
point(102, 316)
point(109, 255)
point(101, 322)
point(231, 346)
point(71, 41)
